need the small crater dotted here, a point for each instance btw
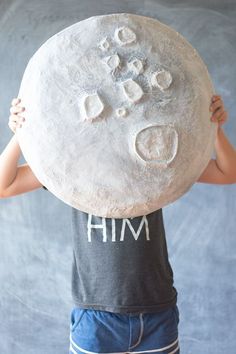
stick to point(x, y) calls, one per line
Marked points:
point(121, 112)
point(104, 45)
point(92, 106)
point(136, 66)
point(132, 90)
point(161, 79)
point(124, 35)
point(112, 62)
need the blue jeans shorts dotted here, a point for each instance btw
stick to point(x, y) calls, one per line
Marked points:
point(93, 331)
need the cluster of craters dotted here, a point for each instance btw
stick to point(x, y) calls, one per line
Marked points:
point(92, 104)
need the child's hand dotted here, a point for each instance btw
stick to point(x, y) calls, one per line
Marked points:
point(217, 107)
point(16, 120)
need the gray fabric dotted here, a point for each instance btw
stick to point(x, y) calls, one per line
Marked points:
point(122, 268)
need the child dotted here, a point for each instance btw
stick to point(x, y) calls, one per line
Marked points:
point(123, 291)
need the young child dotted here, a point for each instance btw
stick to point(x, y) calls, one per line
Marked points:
point(123, 289)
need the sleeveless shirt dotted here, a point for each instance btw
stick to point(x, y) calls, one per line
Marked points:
point(121, 265)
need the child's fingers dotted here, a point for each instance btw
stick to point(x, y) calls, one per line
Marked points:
point(15, 122)
point(221, 118)
point(21, 118)
point(215, 97)
point(12, 126)
point(16, 109)
point(216, 104)
point(16, 117)
point(15, 101)
point(217, 113)
point(13, 117)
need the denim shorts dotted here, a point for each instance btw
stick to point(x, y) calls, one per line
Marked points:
point(93, 331)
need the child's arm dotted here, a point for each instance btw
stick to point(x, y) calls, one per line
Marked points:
point(15, 179)
point(221, 170)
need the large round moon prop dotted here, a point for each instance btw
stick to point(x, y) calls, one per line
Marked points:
point(117, 115)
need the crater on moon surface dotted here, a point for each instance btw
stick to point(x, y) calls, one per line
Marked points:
point(104, 44)
point(92, 106)
point(125, 35)
point(112, 62)
point(121, 112)
point(136, 66)
point(162, 79)
point(132, 90)
point(157, 143)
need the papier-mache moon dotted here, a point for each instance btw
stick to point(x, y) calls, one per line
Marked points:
point(117, 115)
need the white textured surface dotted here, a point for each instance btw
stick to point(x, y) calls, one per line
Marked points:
point(117, 115)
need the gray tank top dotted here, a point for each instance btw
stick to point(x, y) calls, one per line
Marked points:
point(121, 265)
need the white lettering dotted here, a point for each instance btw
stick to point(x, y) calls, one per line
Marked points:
point(113, 223)
point(125, 222)
point(98, 226)
point(135, 234)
